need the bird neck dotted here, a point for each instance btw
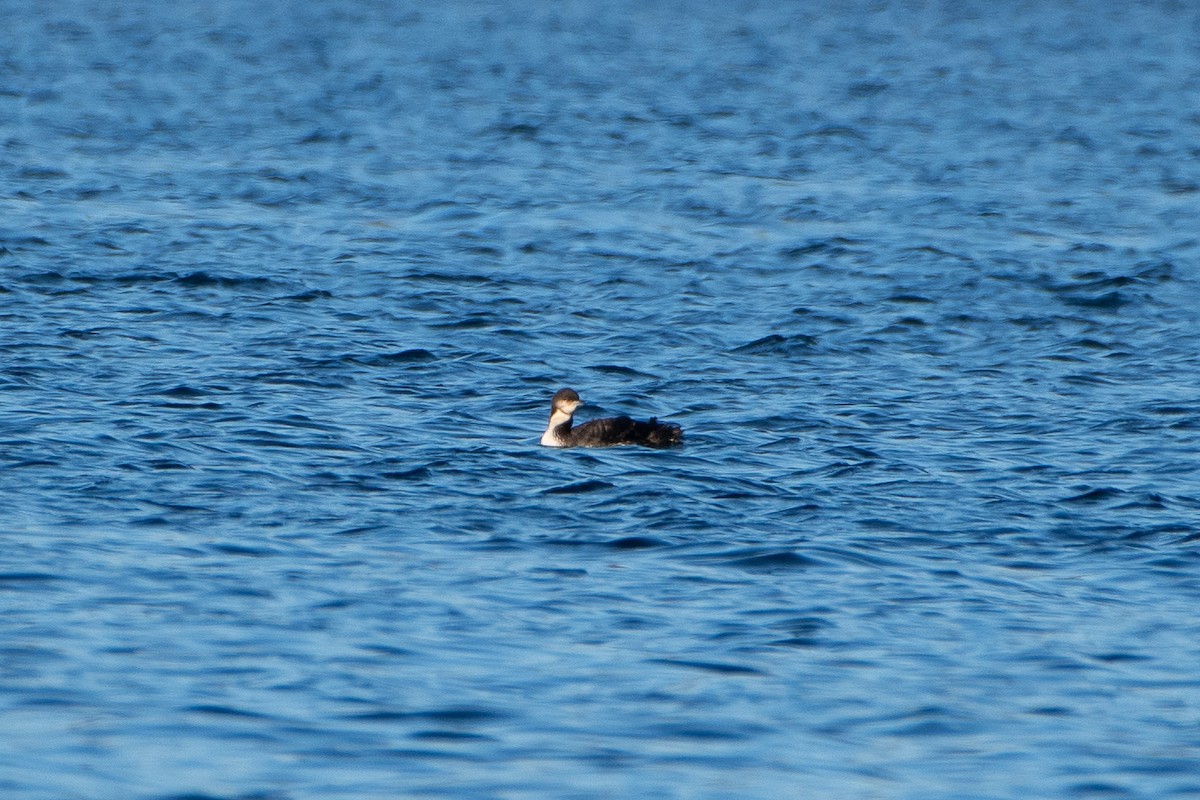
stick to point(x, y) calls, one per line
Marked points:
point(557, 429)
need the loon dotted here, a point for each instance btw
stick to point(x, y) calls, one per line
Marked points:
point(603, 432)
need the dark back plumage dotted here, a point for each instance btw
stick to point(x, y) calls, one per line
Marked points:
point(623, 430)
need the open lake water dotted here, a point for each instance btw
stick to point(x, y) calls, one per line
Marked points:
point(286, 287)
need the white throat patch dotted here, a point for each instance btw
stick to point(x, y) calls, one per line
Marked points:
point(550, 438)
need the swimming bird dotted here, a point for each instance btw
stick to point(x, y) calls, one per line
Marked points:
point(603, 432)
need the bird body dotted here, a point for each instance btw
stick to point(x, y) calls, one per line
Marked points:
point(607, 432)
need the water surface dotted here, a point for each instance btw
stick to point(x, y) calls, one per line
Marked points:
point(285, 290)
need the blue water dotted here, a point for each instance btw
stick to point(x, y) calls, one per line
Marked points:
point(285, 289)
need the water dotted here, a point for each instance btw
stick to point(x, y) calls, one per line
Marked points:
point(285, 290)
